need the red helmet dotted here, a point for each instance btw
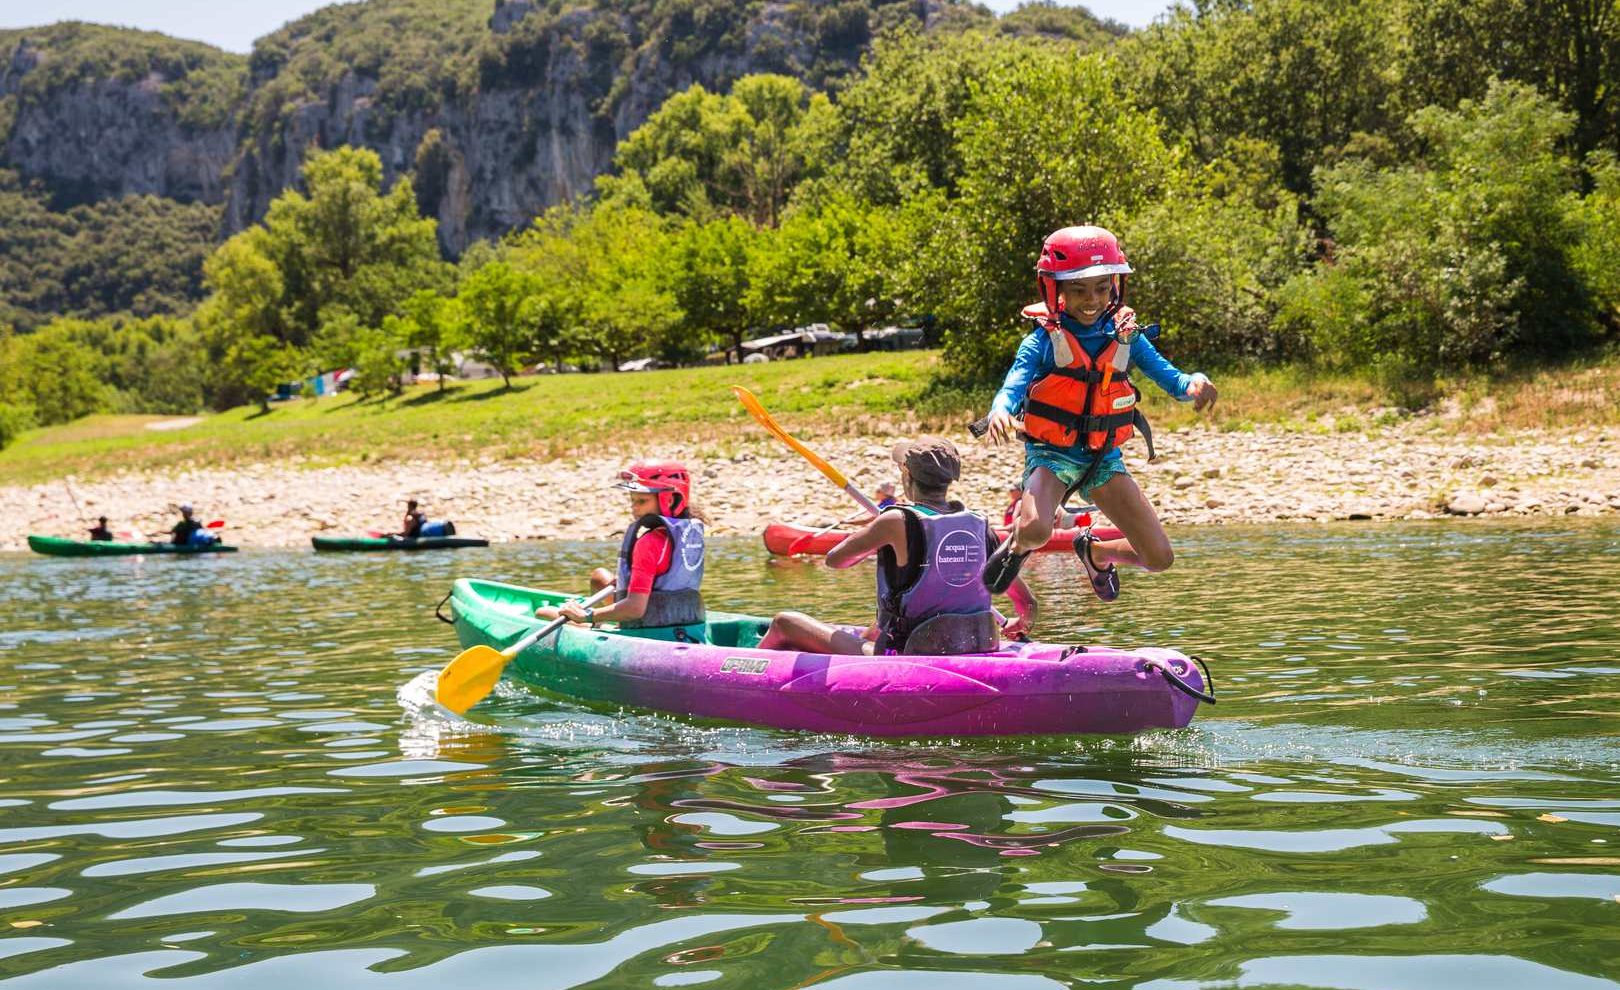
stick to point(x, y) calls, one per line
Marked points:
point(668, 480)
point(1079, 252)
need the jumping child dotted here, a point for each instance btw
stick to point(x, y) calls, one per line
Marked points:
point(660, 572)
point(1078, 407)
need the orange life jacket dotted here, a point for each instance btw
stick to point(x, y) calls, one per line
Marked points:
point(1086, 402)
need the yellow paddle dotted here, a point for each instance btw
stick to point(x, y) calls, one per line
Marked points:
point(472, 675)
point(775, 429)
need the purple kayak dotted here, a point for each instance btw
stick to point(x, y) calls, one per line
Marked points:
point(1022, 689)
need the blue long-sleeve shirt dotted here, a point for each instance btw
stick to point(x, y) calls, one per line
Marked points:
point(1035, 360)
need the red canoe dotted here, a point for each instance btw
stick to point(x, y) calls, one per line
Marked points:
point(780, 536)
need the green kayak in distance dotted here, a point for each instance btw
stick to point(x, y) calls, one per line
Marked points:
point(366, 544)
point(54, 546)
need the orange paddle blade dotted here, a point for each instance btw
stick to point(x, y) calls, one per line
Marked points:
point(765, 419)
point(467, 679)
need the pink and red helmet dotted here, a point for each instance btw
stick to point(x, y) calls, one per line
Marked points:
point(668, 480)
point(1079, 252)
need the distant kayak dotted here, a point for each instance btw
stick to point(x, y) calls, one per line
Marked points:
point(367, 544)
point(54, 546)
point(1021, 689)
point(780, 536)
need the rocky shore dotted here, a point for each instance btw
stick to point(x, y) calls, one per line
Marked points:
point(1201, 477)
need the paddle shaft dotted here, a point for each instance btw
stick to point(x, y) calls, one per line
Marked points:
point(552, 626)
point(75, 499)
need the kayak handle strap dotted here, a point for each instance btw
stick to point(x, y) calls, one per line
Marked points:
point(438, 610)
point(1180, 684)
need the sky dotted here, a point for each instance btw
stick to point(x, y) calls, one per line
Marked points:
point(233, 24)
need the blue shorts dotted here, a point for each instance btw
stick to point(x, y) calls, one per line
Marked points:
point(1068, 470)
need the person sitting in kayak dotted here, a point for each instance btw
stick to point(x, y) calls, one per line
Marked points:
point(415, 519)
point(101, 534)
point(1069, 385)
point(188, 531)
point(930, 598)
point(660, 572)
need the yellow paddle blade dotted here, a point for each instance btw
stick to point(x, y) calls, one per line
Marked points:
point(757, 410)
point(466, 680)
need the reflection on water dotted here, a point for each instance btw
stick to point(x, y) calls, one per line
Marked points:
point(224, 770)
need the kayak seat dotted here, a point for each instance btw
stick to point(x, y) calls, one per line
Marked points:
point(954, 635)
point(739, 633)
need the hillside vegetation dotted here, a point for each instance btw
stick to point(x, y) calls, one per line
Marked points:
point(1446, 211)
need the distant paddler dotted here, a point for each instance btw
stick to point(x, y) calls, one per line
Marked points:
point(416, 525)
point(189, 532)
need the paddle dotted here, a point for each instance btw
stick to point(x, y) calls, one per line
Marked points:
point(833, 474)
point(465, 680)
point(76, 507)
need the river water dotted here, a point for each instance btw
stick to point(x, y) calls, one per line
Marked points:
point(219, 772)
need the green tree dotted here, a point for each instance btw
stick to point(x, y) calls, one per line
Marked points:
point(499, 303)
point(1212, 255)
point(836, 262)
point(1569, 49)
point(1046, 143)
point(1302, 75)
point(261, 364)
point(702, 153)
point(709, 279)
point(61, 382)
point(346, 244)
point(1459, 257)
point(434, 326)
point(1598, 256)
point(896, 119)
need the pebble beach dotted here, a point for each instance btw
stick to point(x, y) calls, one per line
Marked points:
point(1201, 477)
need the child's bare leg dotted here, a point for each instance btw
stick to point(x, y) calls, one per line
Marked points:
point(1033, 526)
point(797, 631)
point(1145, 544)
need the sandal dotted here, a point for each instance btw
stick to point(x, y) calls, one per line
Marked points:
point(1104, 580)
point(1002, 568)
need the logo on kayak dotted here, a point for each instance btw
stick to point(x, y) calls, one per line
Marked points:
point(692, 548)
point(744, 665)
point(959, 558)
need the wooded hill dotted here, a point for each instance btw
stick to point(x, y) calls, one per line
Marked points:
point(500, 108)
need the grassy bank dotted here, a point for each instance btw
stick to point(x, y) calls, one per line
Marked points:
point(550, 416)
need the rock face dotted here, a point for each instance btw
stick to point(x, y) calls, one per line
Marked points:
point(91, 138)
point(492, 146)
point(523, 140)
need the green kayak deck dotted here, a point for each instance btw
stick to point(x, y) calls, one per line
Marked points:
point(55, 546)
point(369, 544)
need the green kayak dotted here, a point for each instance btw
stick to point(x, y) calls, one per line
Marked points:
point(54, 546)
point(352, 544)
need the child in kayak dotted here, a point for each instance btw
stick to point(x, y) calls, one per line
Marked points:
point(1069, 384)
point(930, 598)
point(660, 572)
point(101, 534)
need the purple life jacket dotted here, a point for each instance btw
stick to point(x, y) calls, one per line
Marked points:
point(945, 554)
point(676, 599)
